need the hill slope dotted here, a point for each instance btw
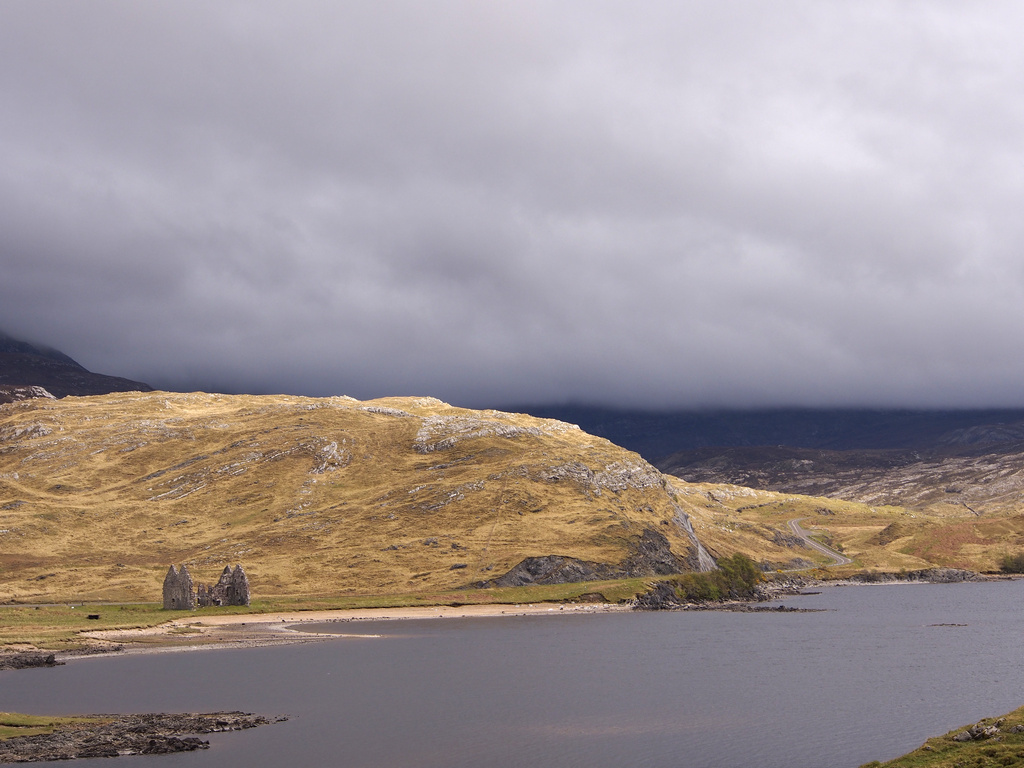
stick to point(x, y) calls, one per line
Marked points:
point(334, 496)
point(98, 495)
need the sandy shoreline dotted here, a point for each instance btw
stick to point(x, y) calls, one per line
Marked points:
point(203, 631)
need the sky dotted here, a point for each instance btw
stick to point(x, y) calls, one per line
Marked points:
point(657, 204)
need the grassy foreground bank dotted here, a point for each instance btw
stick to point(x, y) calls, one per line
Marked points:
point(989, 743)
point(59, 627)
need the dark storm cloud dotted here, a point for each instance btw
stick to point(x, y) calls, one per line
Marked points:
point(658, 203)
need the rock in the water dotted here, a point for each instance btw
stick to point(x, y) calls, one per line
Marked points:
point(115, 735)
point(27, 660)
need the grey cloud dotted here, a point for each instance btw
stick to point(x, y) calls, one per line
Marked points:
point(664, 204)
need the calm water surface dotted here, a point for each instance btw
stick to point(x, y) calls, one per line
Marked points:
point(870, 678)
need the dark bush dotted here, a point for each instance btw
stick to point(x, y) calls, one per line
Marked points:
point(736, 579)
point(1012, 563)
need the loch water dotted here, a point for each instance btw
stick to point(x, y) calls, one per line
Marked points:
point(871, 676)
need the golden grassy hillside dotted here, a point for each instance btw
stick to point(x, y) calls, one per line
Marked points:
point(98, 495)
point(732, 518)
point(334, 496)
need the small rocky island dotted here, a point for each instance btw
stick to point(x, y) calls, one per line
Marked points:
point(116, 735)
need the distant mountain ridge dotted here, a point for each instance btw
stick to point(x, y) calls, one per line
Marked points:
point(940, 462)
point(24, 365)
point(12, 346)
point(658, 434)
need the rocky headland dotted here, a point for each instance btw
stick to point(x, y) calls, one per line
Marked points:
point(116, 735)
point(28, 660)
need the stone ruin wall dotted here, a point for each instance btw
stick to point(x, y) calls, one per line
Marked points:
point(231, 589)
point(180, 594)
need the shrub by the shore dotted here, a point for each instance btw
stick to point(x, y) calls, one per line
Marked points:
point(736, 579)
point(1012, 563)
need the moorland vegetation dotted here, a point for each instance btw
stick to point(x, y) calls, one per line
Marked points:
point(334, 502)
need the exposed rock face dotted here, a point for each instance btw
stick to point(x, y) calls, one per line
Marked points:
point(616, 476)
point(13, 394)
point(553, 569)
point(661, 597)
point(651, 556)
point(440, 433)
point(699, 558)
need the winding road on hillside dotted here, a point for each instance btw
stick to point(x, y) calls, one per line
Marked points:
point(838, 558)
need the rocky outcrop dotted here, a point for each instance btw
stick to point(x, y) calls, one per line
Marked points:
point(439, 433)
point(985, 730)
point(114, 735)
point(661, 597)
point(553, 569)
point(931, 575)
point(614, 477)
point(28, 660)
point(14, 394)
point(777, 585)
point(651, 556)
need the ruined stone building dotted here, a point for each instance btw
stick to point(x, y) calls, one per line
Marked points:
point(232, 588)
point(180, 595)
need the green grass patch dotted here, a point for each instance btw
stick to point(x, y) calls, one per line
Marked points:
point(59, 627)
point(1006, 749)
point(15, 724)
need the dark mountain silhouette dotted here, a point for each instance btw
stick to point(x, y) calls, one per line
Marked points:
point(969, 461)
point(24, 365)
point(658, 434)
